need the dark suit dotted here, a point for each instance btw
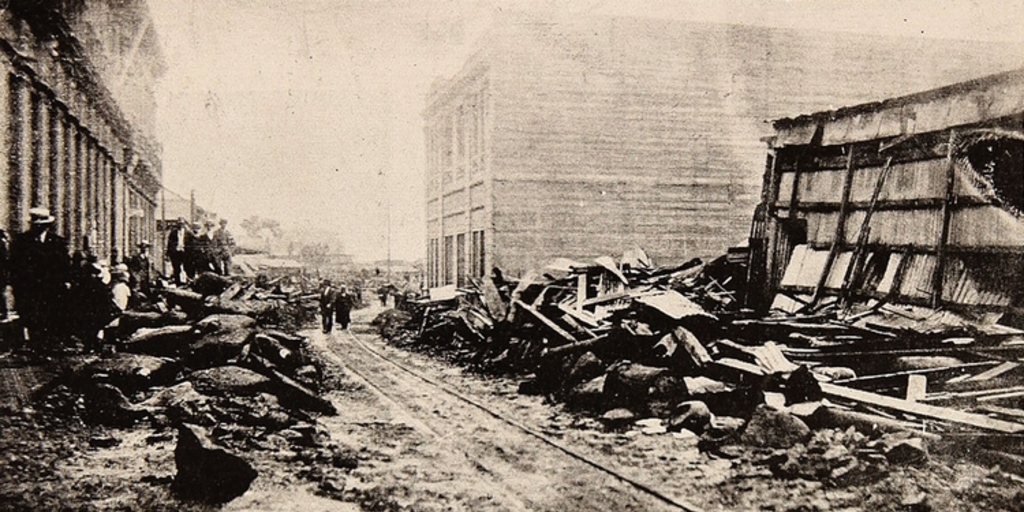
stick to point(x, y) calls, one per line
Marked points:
point(328, 297)
point(343, 309)
point(179, 241)
point(40, 271)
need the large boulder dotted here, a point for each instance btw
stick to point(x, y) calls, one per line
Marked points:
point(106, 405)
point(220, 339)
point(588, 396)
point(638, 386)
point(771, 428)
point(209, 283)
point(581, 369)
point(177, 403)
point(169, 341)
point(207, 472)
point(691, 415)
point(228, 381)
point(131, 372)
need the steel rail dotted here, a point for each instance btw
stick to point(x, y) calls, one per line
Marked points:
point(682, 505)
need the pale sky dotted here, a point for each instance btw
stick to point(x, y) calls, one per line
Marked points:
point(309, 111)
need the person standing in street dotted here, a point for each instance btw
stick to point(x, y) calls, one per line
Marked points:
point(328, 297)
point(223, 247)
point(140, 266)
point(343, 308)
point(40, 272)
point(178, 242)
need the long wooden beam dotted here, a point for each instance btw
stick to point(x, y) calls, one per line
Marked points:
point(922, 410)
point(840, 232)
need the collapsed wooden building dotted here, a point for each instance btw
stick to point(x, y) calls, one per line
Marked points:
point(913, 200)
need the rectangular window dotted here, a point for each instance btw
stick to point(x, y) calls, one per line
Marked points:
point(449, 253)
point(461, 256)
point(481, 256)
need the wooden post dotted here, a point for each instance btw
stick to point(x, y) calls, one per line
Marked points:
point(840, 232)
point(857, 259)
point(947, 214)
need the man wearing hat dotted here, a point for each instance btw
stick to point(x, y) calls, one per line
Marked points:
point(179, 240)
point(40, 272)
point(224, 246)
point(141, 267)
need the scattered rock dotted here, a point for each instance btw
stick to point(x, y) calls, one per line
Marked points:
point(912, 451)
point(228, 381)
point(220, 339)
point(587, 396)
point(131, 372)
point(168, 341)
point(619, 418)
point(693, 416)
point(770, 428)
point(107, 405)
point(585, 367)
point(103, 441)
point(802, 386)
point(207, 472)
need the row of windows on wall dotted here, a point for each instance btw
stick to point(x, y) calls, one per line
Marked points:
point(456, 142)
point(57, 164)
point(452, 260)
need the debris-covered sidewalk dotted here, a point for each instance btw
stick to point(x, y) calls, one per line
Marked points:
point(839, 394)
point(213, 376)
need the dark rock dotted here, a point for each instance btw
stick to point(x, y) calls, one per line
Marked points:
point(802, 386)
point(180, 402)
point(912, 451)
point(169, 341)
point(693, 416)
point(637, 385)
point(207, 472)
point(618, 418)
point(739, 402)
point(209, 283)
point(220, 339)
point(588, 396)
point(107, 405)
point(583, 368)
point(770, 428)
point(229, 381)
point(131, 372)
point(103, 441)
point(134, 320)
point(274, 351)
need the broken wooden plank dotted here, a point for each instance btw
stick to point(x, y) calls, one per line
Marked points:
point(698, 354)
point(917, 386)
point(546, 321)
point(992, 373)
point(922, 410)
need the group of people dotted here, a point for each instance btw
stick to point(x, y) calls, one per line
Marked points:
point(197, 248)
point(60, 295)
point(335, 306)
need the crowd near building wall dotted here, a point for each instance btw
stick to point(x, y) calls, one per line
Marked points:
point(67, 68)
point(582, 138)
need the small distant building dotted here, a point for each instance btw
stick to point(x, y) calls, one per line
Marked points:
point(916, 199)
point(585, 138)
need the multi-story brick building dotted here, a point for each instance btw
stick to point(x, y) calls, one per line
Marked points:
point(77, 115)
point(582, 138)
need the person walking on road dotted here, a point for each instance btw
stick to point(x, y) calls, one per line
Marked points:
point(343, 308)
point(328, 298)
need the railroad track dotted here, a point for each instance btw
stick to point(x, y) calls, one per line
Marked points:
point(507, 438)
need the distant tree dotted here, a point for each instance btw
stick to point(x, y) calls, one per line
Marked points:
point(263, 229)
point(316, 253)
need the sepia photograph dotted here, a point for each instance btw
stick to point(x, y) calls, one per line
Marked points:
point(511, 255)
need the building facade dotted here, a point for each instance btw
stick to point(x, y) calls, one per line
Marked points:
point(77, 115)
point(915, 199)
point(584, 138)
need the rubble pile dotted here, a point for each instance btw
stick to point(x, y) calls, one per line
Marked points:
point(835, 392)
point(219, 367)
